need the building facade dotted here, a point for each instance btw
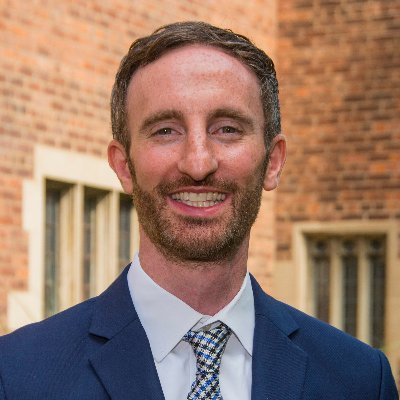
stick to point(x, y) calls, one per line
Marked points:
point(327, 241)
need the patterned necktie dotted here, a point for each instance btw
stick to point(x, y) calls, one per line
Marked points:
point(208, 347)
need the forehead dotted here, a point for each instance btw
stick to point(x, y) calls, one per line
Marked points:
point(193, 80)
point(194, 61)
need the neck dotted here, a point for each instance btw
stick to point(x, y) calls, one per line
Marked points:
point(207, 287)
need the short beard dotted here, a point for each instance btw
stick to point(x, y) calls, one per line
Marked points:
point(225, 236)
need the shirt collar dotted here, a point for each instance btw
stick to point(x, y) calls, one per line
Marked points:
point(165, 318)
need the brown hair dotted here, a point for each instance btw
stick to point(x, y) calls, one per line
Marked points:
point(148, 49)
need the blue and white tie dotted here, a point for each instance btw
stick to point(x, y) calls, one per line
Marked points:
point(208, 347)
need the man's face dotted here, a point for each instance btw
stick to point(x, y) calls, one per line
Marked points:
point(198, 156)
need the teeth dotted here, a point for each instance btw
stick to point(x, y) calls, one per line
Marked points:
point(205, 199)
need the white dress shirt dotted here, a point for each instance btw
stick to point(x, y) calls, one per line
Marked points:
point(165, 319)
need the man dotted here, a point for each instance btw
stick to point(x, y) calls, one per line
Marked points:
point(196, 127)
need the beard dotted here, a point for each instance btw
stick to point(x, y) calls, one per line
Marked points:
point(196, 239)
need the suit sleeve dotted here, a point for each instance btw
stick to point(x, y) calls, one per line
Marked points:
point(2, 392)
point(388, 387)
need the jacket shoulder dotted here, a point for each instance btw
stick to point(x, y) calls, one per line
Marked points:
point(48, 357)
point(53, 330)
point(335, 359)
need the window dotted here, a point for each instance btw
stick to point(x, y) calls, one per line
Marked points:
point(55, 243)
point(88, 239)
point(92, 230)
point(348, 283)
point(125, 230)
point(52, 246)
point(321, 274)
point(66, 190)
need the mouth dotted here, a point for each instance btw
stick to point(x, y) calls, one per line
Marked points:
point(201, 200)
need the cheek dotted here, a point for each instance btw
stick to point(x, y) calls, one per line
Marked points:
point(246, 164)
point(152, 166)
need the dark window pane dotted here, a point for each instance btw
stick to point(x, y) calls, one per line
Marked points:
point(89, 240)
point(376, 258)
point(92, 197)
point(124, 240)
point(321, 273)
point(350, 284)
point(52, 241)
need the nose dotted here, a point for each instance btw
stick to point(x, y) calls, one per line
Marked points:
point(198, 157)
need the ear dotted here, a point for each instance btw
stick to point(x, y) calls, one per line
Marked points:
point(117, 158)
point(277, 157)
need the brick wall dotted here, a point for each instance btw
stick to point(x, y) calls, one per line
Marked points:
point(340, 88)
point(339, 69)
point(338, 65)
point(57, 64)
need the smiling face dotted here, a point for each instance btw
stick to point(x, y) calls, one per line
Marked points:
point(198, 158)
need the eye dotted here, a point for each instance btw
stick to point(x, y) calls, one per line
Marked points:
point(229, 129)
point(163, 131)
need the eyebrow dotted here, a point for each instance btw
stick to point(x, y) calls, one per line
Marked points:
point(232, 113)
point(159, 117)
point(164, 115)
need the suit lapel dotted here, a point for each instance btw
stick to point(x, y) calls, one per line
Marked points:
point(279, 366)
point(124, 363)
point(126, 368)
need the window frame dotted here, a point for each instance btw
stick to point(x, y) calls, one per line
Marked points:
point(77, 170)
point(353, 228)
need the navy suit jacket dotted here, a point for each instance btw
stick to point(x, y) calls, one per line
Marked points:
point(98, 350)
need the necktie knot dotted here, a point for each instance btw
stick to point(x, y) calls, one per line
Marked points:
point(208, 347)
